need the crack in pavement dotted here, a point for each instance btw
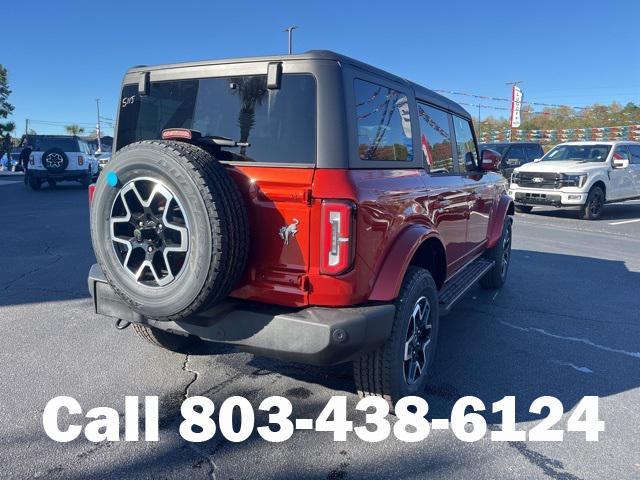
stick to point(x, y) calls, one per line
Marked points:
point(196, 374)
point(201, 452)
point(47, 250)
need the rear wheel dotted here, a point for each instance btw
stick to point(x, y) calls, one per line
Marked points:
point(500, 254)
point(524, 208)
point(52, 183)
point(166, 340)
point(402, 365)
point(35, 183)
point(592, 209)
point(86, 181)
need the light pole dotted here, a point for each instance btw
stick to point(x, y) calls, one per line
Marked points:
point(98, 126)
point(290, 30)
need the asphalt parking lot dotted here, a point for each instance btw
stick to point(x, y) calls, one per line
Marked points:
point(566, 324)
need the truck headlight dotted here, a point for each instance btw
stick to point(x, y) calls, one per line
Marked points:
point(577, 180)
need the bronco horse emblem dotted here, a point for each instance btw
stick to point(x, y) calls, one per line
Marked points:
point(289, 231)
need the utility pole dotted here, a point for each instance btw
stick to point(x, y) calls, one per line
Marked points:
point(479, 120)
point(290, 30)
point(26, 128)
point(98, 126)
point(513, 86)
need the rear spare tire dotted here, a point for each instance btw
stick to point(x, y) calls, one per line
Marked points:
point(171, 234)
point(55, 160)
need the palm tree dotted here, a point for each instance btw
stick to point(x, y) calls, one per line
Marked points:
point(252, 91)
point(74, 129)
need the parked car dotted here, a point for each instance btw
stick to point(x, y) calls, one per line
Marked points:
point(515, 154)
point(57, 158)
point(13, 164)
point(102, 158)
point(327, 211)
point(586, 175)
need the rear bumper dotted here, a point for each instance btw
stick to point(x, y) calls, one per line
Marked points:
point(314, 335)
point(61, 176)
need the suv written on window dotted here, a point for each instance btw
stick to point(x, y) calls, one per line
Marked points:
point(515, 154)
point(308, 207)
point(57, 158)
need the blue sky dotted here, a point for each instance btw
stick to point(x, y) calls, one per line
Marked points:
point(62, 55)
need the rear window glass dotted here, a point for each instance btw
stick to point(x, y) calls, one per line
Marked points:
point(384, 123)
point(66, 144)
point(279, 125)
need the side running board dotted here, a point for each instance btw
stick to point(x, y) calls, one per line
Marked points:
point(461, 282)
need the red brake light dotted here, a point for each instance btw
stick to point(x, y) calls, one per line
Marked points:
point(80, 160)
point(337, 236)
point(177, 133)
point(92, 191)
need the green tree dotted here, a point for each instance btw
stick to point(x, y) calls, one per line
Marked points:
point(74, 129)
point(5, 107)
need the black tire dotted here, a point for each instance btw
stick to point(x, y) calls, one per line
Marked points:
point(524, 208)
point(218, 238)
point(52, 183)
point(383, 372)
point(34, 183)
point(55, 160)
point(500, 254)
point(166, 340)
point(86, 180)
point(592, 209)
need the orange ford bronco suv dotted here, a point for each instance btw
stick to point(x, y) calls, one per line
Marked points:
point(307, 207)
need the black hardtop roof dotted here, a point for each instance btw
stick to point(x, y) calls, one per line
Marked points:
point(421, 92)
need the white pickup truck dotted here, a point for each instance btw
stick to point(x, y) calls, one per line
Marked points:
point(586, 175)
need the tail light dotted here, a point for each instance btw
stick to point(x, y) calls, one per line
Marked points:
point(32, 159)
point(337, 233)
point(80, 160)
point(92, 191)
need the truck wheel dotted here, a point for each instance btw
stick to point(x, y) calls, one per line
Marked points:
point(166, 340)
point(402, 365)
point(35, 183)
point(86, 180)
point(501, 256)
point(524, 208)
point(52, 183)
point(592, 208)
point(172, 234)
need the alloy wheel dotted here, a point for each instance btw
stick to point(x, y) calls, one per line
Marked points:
point(418, 341)
point(150, 232)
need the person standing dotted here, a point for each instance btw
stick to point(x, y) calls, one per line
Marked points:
point(25, 154)
point(6, 148)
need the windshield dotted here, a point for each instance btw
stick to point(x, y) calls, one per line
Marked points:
point(279, 125)
point(66, 144)
point(585, 153)
point(498, 147)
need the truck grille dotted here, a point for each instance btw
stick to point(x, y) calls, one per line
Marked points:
point(539, 180)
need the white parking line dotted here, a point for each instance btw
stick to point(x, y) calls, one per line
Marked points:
point(622, 222)
point(585, 341)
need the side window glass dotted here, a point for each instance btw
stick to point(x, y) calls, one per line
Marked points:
point(515, 156)
point(384, 123)
point(467, 152)
point(435, 138)
point(635, 154)
point(621, 153)
point(533, 152)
